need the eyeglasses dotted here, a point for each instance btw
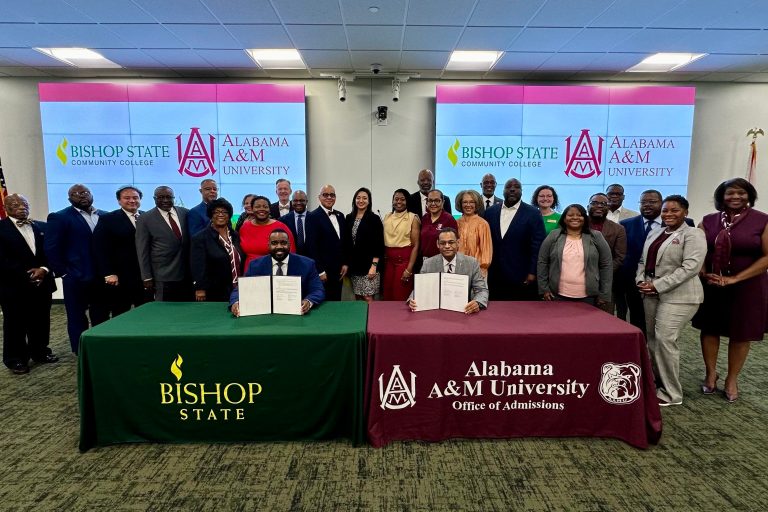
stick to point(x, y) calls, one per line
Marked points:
point(598, 203)
point(328, 195)
point(443, 243)
point(82, 193)
point(220, 212)
point(434, 201)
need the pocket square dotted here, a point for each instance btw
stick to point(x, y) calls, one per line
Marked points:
point(675, 242)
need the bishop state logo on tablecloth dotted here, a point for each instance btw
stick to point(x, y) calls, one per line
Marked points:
point(397, 393)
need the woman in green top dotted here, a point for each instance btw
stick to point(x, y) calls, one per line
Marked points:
point(545, 199)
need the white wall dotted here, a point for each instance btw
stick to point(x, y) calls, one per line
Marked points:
point(348, 150)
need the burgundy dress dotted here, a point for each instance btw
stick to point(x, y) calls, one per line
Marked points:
point(738, 311)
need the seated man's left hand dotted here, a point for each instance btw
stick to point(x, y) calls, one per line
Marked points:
point(305, 306)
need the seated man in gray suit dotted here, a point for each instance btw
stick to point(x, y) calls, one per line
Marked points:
point(162, 245)
point(451, 261)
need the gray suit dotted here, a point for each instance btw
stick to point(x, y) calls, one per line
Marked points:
point(464, 265)
point(162, 256)
point(676, 280)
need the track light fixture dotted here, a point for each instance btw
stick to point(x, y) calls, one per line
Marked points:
point(342, 86)
point(395, 89)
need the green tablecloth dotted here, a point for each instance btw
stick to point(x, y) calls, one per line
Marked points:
point(144, 375)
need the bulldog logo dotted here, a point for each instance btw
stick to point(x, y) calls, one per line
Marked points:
point(620, 383)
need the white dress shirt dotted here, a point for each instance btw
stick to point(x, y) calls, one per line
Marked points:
point(134, 217)
point(334, 221)
point(28, 234)
point(507, 214)
point(284, 267)
point(92, 218)
point(284, 208)
point(452, 268)
point(175, 215)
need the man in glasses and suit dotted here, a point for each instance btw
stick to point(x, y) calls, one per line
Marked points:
point(325, 242)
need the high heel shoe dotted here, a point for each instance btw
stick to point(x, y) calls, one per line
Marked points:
point(730, 398)
point(707, 390)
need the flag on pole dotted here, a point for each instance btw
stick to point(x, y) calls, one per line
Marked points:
point(752, 165)
point(3, 192)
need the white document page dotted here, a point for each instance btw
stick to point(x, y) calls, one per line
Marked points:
point(286, 295)
point(454, 290)
point(255, 295)
point(426, 291)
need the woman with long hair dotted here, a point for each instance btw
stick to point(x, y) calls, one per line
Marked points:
point(364, 246)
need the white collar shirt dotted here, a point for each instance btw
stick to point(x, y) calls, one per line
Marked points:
point(284, 266)
point(133, 217)
point(507, 214)
point(92, 218)
point(28, 234)
point(333, 220)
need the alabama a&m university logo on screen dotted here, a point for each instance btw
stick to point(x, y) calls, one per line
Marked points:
point(196, 160)
point(583, 162)
point(397, 393)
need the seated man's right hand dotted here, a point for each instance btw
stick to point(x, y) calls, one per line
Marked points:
point(412, 304)
point(235, 309)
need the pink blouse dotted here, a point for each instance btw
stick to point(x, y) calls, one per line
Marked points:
point(572, 278)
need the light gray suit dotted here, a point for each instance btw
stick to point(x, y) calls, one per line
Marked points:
point(464, 265)
point(162, 256)
point(676, 280)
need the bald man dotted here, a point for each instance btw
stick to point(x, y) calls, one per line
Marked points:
point(417, 202)
point(325, 242)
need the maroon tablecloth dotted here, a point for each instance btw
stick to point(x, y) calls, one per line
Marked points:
point(550, 369)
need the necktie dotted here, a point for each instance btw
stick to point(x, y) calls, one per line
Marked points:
point(135, 216)
point(648, 227)
point(487, 203)
point(279, 271)
point(21, 223)
point(174, 226)
point(450, 268)
point(300, 230)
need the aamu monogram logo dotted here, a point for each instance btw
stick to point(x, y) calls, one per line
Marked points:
point(397, 394)
point(583, 162)
point(196, 160)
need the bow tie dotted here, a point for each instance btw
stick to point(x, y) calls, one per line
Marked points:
point(330, 213)
point(23, 222)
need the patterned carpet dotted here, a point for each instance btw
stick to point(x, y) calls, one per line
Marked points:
point(713, 456)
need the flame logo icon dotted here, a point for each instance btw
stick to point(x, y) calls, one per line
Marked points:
point(452, 156)
point(176, 367)
point(60, 153)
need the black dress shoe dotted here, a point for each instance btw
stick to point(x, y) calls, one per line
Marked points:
point(48, 358)
point(19, 368)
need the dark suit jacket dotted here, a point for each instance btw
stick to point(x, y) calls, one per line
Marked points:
point(197, 218)
point(69, 245)
point(162, 256)
point(311, 286)
point(323, 244)
point(496, 200)
point(114, 242)
point(516, 254)
point(211, 266)
point(616, 237)
point(368, 243)
point(290, 221)
point(635, 228)
point(414, 204)
point(16, 259)
point(274, 209)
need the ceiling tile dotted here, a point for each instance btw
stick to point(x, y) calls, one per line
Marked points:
point(727, 77)
point(627, 13)
point(362, 60)
point(701, 13)
point(177, 11)
point(26, 71)
point(542, 39)
point(504, 13)
point(654, 40)
point(731, 63)
point(753, 16)
point(130, 58)
point(6, 61)
point(614, 62)
point(316, 12)
point(204, 36)
point(260, 36)
point(178, 58)
point(112, 11)
point(517, 61)
point(568, 61)
point(756, 77)
point(318, 37)
point(567, 13)
point(327, 59)
point(439, 12)
point(424, 60)
point(594, 76)
point(430, 38)
point(41, 11)
point(20, 35)
point(726, 41)
point(30, 57)
point(371, 37)
point(391, 12)
point(487, 38)
point(598, 39)
point(242, 11)
point(83, 35)
point(227, 58)
point(146, 36)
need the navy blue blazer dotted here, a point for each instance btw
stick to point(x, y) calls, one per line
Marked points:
point(289, 220)
point(311, 285)
point(516, 254)
point(114, 242)
point(197, 219)
point(69, 245)
point(16, 259)
point(323, 244)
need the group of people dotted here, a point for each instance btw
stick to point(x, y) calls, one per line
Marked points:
point(652, 265)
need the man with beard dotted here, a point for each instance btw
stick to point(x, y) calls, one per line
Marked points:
point(417, 202)
point(296, 220)
point(69, 247)
point(613, 233)
point(516, 234)
point(637, 229)
point(281, 263)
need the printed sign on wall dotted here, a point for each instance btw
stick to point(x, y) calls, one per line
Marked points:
point(105, 135)
point(579, 139)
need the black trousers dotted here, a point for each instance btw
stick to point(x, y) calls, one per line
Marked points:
point(86, 307)
point(26, 327)
point(121, 297)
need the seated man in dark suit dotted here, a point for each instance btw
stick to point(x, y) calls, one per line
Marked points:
point(452, 262)
point(26, 285)
point(296, 220)
point(280, 262)
point(417, 202)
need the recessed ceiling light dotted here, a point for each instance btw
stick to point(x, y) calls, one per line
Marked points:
point(277, 58)
point(463, 60)
point(373, 9)
point(663, 62)
point(79, 57)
